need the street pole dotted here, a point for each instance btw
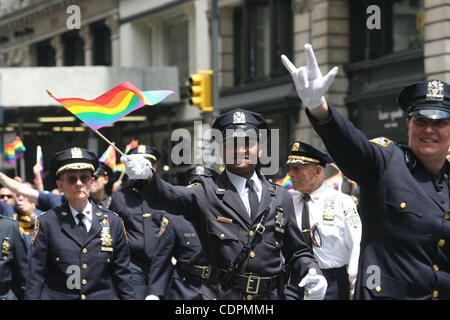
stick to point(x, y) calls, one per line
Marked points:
point(215, 53)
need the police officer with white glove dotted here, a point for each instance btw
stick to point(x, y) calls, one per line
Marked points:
point(246, 225)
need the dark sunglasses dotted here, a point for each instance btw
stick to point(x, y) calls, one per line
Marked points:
point(9, 196)
point(73, 179)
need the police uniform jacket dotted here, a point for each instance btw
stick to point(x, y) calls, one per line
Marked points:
point(59, 255)
point(218, 214)
point(13, 260)
point(141, 222)
point(178, 239)
point(405, 243)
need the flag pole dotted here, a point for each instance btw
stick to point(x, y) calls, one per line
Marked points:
point(109, 142)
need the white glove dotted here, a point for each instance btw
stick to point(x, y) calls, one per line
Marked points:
point(151, 297)
point(308, 80)
point(315, 285)
point(136, 166)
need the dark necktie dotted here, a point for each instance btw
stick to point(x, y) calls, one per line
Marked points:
point(252, 199)
point(81, 225)
point(305, 221)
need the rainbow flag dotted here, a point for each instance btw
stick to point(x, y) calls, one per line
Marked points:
point(120, 167)
point(19, 148)
point(112, 105)
point(285, 182)
point(335, 181)
point(133, 144)
point(109, 157)
point(10, 155)
point(40, 159)
point(14, 151)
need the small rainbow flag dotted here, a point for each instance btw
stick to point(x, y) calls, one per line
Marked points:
point(120, 167)
point(335, 181)
point(286, 182)
point(10, 156)
point(112, 105)
point(133, 144)
point(40, 160)
point(109, 157)
point(14, 151)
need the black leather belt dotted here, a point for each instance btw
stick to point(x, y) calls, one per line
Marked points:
point(334, 272)
point(247, 283)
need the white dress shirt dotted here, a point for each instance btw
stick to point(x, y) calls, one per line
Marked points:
point(239, 183)
point(336, 218)
point(87, 211)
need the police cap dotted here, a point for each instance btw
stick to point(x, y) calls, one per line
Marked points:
point(303, 153)
point(428, 99)
point(103, 169)
point(242, 123)
point(73, 159)
point(201, 171)
point(150, 153)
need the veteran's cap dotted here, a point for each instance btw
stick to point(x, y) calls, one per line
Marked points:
point(240, 123)
point(73, 159)
point(148, 152)
point(428, 99)
point(303, 153)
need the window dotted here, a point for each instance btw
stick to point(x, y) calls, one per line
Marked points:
point(176, 46)
point(262, 32)
point(101, 40)
point(45, 54)
point(73, 49)
point(401, 28)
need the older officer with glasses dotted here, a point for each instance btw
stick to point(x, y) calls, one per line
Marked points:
point(79, 250)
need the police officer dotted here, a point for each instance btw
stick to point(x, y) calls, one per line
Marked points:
point(79, 250)
point(404, 189)
point(328, 219)
point(179, 240)
point(99, 193)
point(245, 224)
point(13, 260)
point(141, 222)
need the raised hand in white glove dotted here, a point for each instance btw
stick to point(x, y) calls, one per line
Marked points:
point(151, 297)
point(308, 80)
point(136, 166)
point(315, 285)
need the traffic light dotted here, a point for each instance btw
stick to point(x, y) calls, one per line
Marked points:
point(200, 90)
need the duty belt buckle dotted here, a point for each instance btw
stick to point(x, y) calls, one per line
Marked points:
point(260, 229)
point(206, 271)
point(251, 280)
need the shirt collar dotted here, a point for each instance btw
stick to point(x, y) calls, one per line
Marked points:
point(239, 182)
point(87, 211)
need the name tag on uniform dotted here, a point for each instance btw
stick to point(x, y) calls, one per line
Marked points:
point(107, 249)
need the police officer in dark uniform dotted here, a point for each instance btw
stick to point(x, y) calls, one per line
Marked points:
point(79, 250)
point(13, 260)
point(404, 203)
point(141, 222)
point(99, 192)
point(245, 224)
point(179, 240)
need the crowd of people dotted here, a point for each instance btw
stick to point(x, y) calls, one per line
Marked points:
point(236, 235)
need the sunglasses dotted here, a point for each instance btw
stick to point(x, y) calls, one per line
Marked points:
point(8, 196)
point(73, 179)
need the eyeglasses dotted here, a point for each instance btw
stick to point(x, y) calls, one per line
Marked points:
point(9, 196)
point(73, 179)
